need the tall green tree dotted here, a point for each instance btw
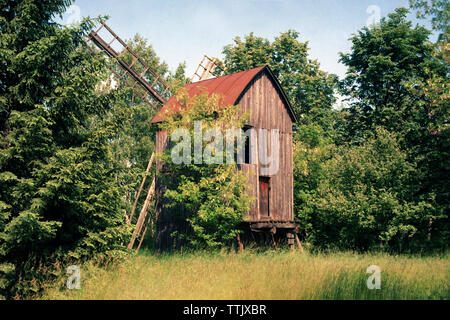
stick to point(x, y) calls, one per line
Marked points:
point(381, 62)
point(61, 196)
point(310, 89)
point(396, 79)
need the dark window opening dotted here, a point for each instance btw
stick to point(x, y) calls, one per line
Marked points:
point(247, 145)
point(247, 150)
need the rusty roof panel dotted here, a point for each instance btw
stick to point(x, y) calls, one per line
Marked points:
point(229, 86)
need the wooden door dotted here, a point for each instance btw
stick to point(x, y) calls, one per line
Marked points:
point(264, 196)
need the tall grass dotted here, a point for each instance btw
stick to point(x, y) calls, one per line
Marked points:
point(270, 275)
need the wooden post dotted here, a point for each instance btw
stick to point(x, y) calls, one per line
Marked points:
point(142, 215)
point(149, 165)
point(291, 240)
point(239, 244)
point(143, 233)
point(273, 231)
point(299, 243)
point(275, 245)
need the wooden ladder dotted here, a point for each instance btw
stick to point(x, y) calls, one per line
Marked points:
point(144, 218)
point(152, 89)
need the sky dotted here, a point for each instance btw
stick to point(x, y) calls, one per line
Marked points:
point(185, 30)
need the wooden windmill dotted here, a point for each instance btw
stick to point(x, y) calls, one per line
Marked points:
point(146, 83)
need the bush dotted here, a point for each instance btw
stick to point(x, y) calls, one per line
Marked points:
point(366, 198)
point(213, 197)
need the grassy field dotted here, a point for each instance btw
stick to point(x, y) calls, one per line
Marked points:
point(269, 275)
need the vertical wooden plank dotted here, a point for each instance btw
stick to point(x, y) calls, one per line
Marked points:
point(261, 100)
point(287, 192)
point(268, 111)
point(256, 175)
point(287, 172)
point(253, 105)
point(273, 116)
point(282, 173)
point(260, 106)
point(261, 103)
point(277, 178)
point(291, 154)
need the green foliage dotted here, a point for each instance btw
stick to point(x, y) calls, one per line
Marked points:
point(287, 275)
point(135, 144)
point(311, 151)
point(178, 79)
point(439, 12)
point(362, 196)
point(396, 79)
point(212, 198)
point(310, 89)
point(382, 60)
point(61, 187)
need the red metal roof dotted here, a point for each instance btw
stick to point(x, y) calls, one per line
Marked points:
point(229, 86)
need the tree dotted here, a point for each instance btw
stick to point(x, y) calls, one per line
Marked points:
point(382, 60)
point(312, 149)
point(134, 145)
point(438, 10)
point(310, 89)
point(428, 140)
point(61, 193)
point(366, 198)
point(396, 79)
point(137, 141)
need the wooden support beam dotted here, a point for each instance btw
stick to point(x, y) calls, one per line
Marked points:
point(275, 245)
point(149, 165)
point(110, 51)
point(291, 240)
point(299, 243)
point(239, 244)
point(142, 215)
point(143, 233)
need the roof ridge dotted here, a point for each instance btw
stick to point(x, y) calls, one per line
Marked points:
point(226, 75)
point(230, 86)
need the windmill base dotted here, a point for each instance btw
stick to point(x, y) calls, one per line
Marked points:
point(264, 232)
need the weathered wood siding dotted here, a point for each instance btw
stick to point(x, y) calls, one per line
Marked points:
point(268, 111)
point(167, 220)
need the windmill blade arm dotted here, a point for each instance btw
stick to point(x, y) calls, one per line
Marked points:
point(99, 42)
